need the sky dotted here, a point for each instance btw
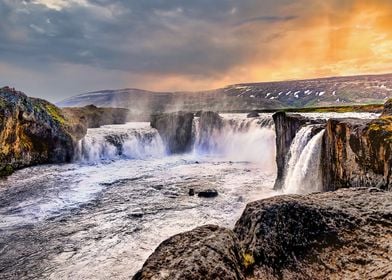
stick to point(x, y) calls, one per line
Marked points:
point(59, 48)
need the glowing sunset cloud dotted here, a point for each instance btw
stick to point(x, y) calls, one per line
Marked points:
point(187, 45)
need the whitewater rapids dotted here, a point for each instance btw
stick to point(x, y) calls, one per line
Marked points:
point(103, 215)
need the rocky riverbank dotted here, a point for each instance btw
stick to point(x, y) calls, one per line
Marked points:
point(335, 235)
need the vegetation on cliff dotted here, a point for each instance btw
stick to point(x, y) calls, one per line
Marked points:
point(32, 131)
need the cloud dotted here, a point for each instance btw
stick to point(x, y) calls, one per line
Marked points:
point(181, 44)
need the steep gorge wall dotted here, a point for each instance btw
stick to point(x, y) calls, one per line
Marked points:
point(357, 153)
point(33, 131)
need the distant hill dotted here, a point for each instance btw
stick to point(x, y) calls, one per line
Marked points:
point(332, 91)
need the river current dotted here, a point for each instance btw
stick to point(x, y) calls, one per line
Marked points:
point(103, 215)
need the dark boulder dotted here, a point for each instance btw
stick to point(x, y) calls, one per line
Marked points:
point(208, 193)
point(175, 130)
point(207, 252)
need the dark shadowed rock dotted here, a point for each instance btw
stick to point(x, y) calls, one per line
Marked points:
point(336, 235)
point(387, 108)
point(210, 124)
point(208, 193)
point(207, 252)
point(175, 130)
point(253, 114)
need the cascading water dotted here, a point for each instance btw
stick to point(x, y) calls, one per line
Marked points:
point(132, 140)
point(303, 173)
point(237, 138)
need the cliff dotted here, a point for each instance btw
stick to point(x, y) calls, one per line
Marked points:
point(33, 131)
point(357, 153)
point(175, 130)
point(333, 235)
point(286, 127)
point(93, 117)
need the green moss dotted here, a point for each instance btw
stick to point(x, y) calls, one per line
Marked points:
point(6, 170)
point(55, 113)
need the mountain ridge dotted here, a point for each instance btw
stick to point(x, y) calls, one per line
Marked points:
point(328, 91)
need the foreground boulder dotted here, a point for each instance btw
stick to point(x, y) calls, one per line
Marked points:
point(175, 130)
point(336, 235)
point(344, 234)
point(207, 252)
point(33, 131)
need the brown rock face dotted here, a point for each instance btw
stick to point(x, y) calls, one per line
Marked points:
point(32, 131)
point(92, 117)
point(207, 252)
point(175, 130)
point(357, 153)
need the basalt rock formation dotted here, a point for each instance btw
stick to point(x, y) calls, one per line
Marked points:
point(207, 252)
point(175, 130)
point(93, 117)
point(33, 131)
point(357, 153)
point(344, 234)
point(286, 127)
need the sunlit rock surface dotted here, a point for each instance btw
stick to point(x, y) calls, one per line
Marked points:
point(33, 131)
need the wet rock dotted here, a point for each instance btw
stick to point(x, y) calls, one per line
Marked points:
point(191, 192)
point(175, 130)
point(286, 127)
point(253, 114)
point(344, 234)
point(208, 193)
point(207, 252)
point(210, 124)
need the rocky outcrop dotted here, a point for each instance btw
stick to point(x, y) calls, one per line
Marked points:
point(387, 108)
point(357, 153)
point(92, 117)
point(286, 127)
point(175, 130)
point(33, 131)
point(344, 234)
point(336, 235)
point(207, 252)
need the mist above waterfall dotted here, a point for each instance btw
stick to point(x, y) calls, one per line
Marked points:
point(238, 138)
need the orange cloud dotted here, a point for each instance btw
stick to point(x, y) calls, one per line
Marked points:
point(325, 39)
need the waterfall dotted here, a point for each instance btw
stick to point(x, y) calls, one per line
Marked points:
point(237, 138)
point(303, 173)
point(132, 140)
